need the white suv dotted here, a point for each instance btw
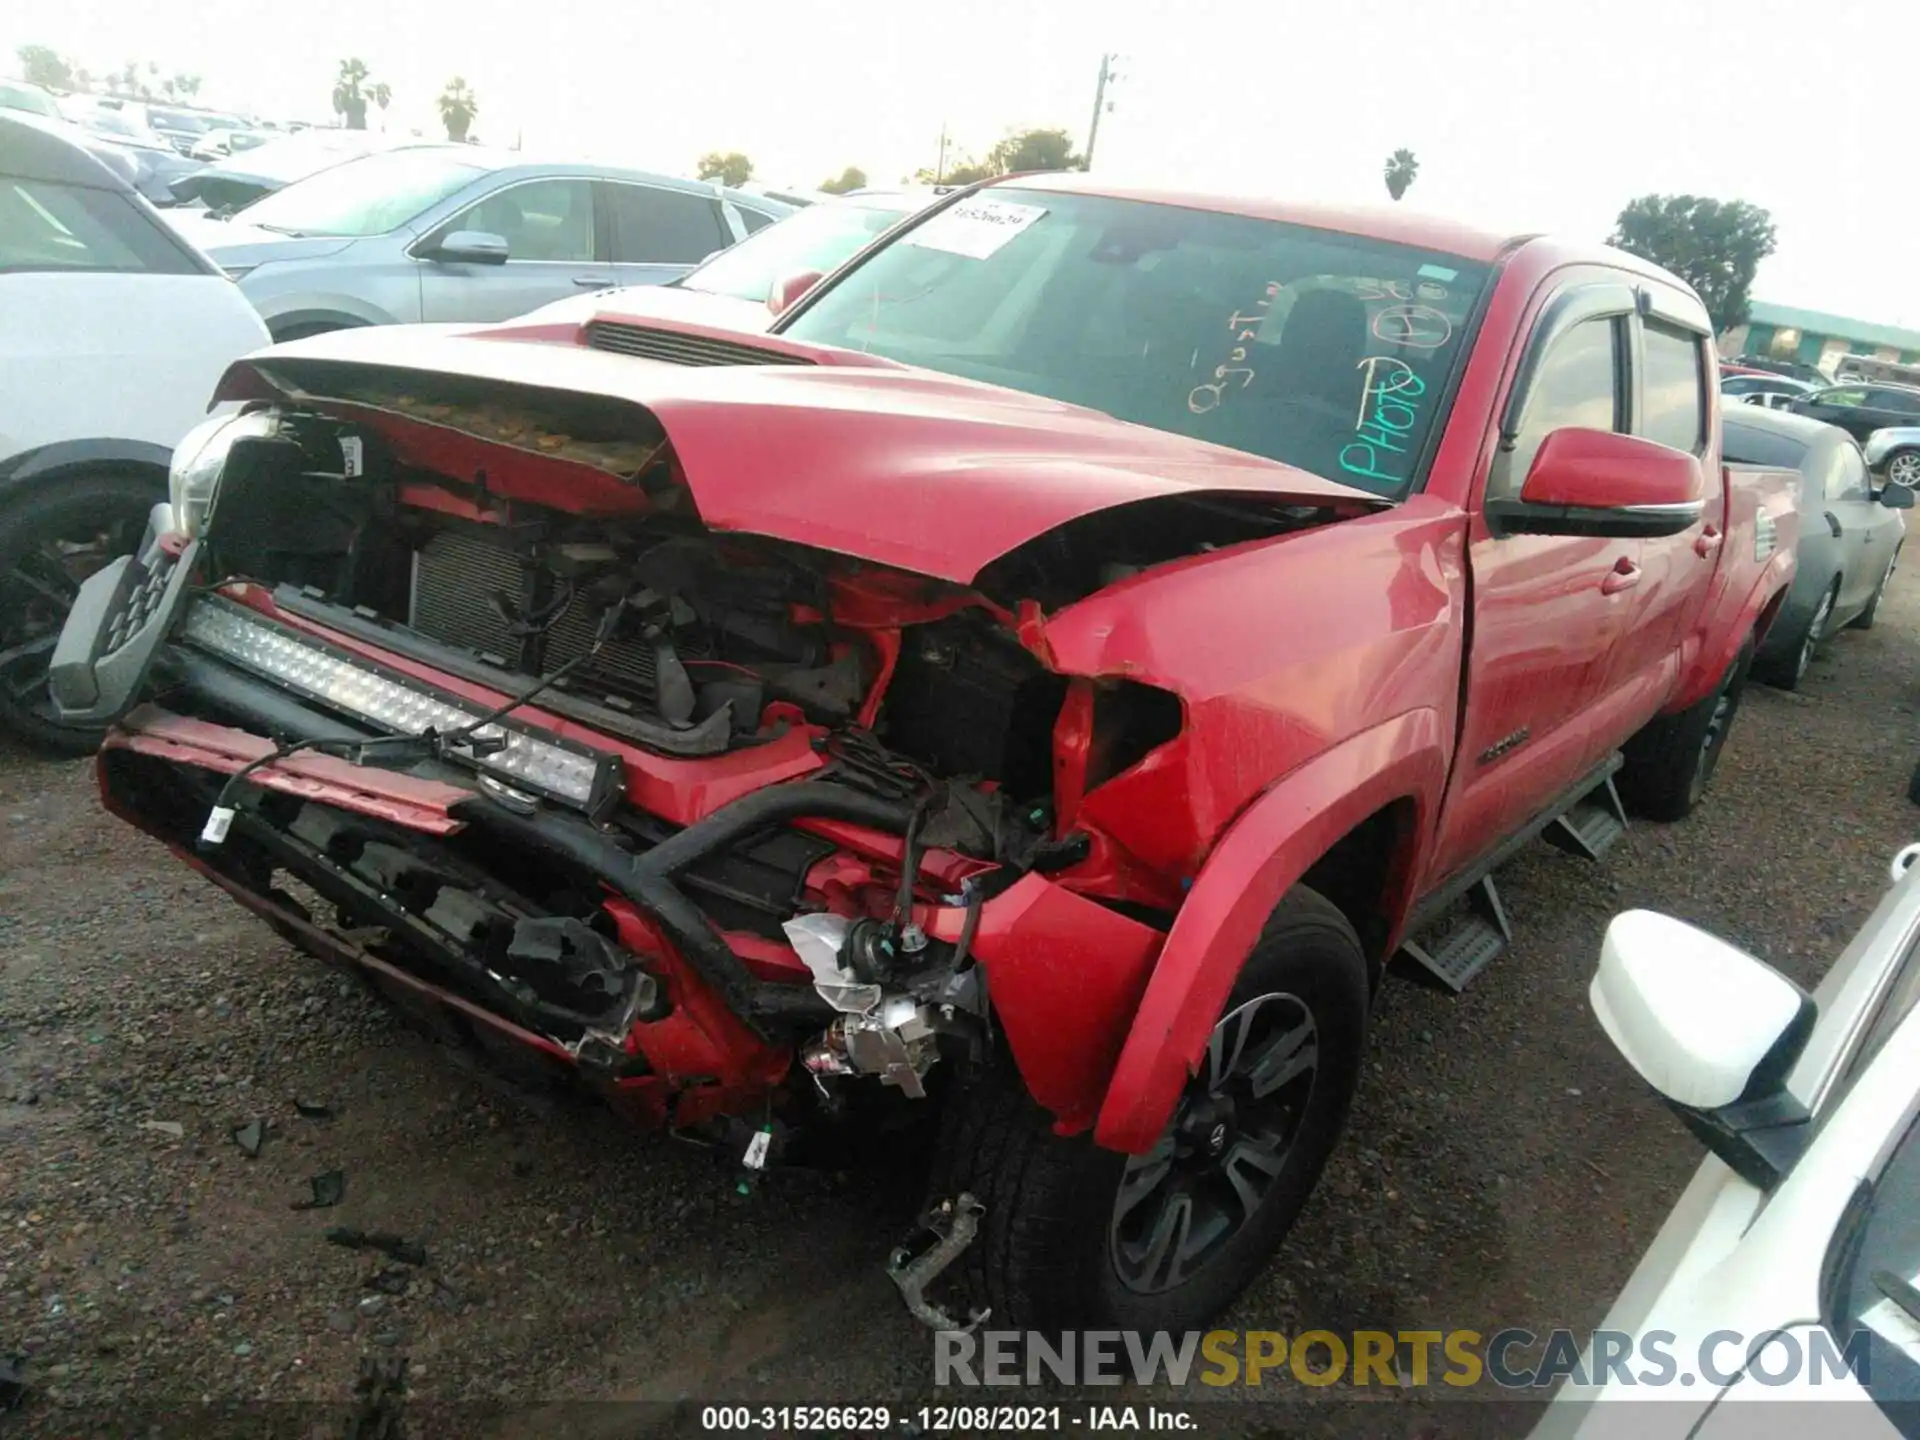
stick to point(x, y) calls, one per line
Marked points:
point(113, 332)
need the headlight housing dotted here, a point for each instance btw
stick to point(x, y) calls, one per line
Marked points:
point(198, 460)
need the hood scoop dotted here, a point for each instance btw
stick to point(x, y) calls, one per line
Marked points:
point(680, 347)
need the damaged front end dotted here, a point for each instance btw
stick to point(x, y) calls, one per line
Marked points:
point(450, 680)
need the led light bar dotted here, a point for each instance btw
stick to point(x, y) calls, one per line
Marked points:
point(358, 688)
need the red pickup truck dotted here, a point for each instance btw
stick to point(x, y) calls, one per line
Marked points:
point(1038, 686)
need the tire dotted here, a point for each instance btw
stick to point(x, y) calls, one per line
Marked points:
point(1902, 467)
point(1054, 1239)
point(1864, 620)
point(1785, 670)
point(52, 536)
point(1671, 761)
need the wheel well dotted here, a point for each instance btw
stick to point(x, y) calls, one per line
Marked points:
point(156, 475)
point(298, 327)
point(1769, 613)
point(1362, 868)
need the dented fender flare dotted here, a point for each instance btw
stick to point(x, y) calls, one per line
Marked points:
point(1263, 854)
point(1734, 622)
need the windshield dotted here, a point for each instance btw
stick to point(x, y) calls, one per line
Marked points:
point(179, 120)
point(1321, 349)
point(24, 97)
point(367, 196)
point(817, 238)
point(116, 123)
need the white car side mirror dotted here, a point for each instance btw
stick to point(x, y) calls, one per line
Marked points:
point(1713, 1030)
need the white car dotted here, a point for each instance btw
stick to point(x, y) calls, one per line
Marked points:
point(1789, 1270)
point(113, 333)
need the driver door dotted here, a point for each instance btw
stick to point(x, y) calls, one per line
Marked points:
point(1548, 610)
point(552, 251)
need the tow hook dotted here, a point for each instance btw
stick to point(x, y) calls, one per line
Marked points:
point(954, 1224)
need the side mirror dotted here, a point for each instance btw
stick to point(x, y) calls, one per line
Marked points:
point(787, 290)
point(1597, 482)
point(1896, 496)
point(470, 247)
point(1714, 1031)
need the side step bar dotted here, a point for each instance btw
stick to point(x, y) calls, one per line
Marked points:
point(1587, 821)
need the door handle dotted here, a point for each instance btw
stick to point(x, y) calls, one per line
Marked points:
point(1833, 525)
point(1624, 576)
point(593, 282)
point(1708, 542)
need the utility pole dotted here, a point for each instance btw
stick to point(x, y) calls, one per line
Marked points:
point(940, 166)
point(1108, 75)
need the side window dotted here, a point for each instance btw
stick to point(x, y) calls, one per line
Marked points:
point(652, 226)
point(72, 227)
point(1846, 397)
point(540, 220)
point(1901, 402)
point(1578, 384)
point(1847, 474)
point(1673, 388)
point(753, 219)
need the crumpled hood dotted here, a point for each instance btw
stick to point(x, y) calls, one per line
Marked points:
point(886, 462)
point(234, 245)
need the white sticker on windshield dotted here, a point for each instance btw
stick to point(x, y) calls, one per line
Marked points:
point(975, 228)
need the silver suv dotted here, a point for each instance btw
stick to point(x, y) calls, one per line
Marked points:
point(457, 233)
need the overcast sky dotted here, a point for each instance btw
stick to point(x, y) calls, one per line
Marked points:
point(1534, 114)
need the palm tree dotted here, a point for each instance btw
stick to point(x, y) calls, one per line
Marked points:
point(458, 106)
point(349, 99)
point(1400, 172)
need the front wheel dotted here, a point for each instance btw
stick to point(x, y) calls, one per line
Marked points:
point(52, 537)
point(1671, 760)
point(1786, 670)
point(1075, 1236)
point(1903, 467)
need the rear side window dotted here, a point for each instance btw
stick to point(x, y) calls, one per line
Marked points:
point(1847, 473)
point(1673, 388)
point(753, 219)
point(1578, 385)
point(1743, 446)
point(48, 227)
point(664, 227)
point(1901, 402)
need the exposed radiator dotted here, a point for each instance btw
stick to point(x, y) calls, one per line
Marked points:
point(455, 576)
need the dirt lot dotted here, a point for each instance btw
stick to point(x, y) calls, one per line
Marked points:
point(1504, 1168)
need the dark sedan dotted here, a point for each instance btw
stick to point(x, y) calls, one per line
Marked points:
point(1860, 409)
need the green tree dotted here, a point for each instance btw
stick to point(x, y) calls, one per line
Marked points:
point(1401, 170)
point(187, 85)
point(851, 178)
point(1015, 153)
point(43, 65)
point(458, 106)
point(1714, 245)
point(351, 93)
point(1033, 150)
point(729, 168)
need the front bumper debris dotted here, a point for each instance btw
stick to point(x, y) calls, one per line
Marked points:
point(955, 1223)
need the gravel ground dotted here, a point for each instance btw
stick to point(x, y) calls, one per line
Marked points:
point(1504, 1167)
